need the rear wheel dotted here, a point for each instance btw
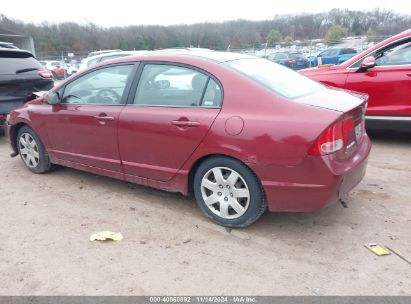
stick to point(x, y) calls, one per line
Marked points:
point(32, 151)
point(228, 192)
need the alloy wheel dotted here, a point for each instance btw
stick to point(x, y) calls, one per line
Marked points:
point(225, 192)
point(29, 150)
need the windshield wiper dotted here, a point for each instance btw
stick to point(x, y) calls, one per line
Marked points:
point(26, 70)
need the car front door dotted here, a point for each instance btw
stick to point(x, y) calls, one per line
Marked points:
point(166, 119)
point(82, 128)
point(388, 84)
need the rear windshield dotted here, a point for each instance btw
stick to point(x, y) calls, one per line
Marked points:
point(275, 77)
point(12, 62)
point(296, 56)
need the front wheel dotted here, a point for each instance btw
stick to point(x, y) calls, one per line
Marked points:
point(228, 192)
point(32, 151)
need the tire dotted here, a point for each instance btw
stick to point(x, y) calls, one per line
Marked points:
point(228, 192)
point(32, 151)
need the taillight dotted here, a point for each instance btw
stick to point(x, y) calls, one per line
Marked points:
point(347, 128)
point(335, 138)
point(291, 60)
point(45, 74)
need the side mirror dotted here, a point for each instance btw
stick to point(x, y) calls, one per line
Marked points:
point(53, 98)
point(367, 63)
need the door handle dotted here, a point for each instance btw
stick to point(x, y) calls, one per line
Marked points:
point(185, 123)
point(408, 74)
point(104, 118)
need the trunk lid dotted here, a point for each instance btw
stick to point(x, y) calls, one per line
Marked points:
point(334, 99)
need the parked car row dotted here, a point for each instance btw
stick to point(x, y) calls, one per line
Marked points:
point(104, 56)
point(293, 60)
point(297, 60)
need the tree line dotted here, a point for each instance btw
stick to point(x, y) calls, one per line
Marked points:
point(54, 39)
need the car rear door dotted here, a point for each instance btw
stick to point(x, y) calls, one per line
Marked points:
point(167, 117)
point(19, 77)
point(82, 128)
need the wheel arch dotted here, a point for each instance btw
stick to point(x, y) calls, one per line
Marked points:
point(14, 130)
point(194, 167)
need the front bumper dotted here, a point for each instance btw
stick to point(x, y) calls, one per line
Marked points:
point(316, 182)
point(8, 135)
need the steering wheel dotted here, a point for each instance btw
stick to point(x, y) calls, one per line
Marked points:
point(108, 96)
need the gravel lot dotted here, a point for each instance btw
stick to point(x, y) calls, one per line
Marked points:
point(170, 248)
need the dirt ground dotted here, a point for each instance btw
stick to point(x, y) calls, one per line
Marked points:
point(170, 248)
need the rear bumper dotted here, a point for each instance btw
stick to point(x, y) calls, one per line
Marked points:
point(315, 182)
point(6, 106)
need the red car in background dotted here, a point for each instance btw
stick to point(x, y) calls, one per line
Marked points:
point(55, 67)
point(383, 72)
point(240, 133)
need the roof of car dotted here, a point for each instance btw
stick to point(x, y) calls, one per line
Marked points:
point(215, 56)
point(108, 54)
point(2, 49)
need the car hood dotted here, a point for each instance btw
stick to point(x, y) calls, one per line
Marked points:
point(334, 99)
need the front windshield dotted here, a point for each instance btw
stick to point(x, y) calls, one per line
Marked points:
point(275, 77)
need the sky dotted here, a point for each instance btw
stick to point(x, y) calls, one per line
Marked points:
point(167, 12)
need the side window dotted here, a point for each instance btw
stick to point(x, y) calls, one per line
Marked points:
point(213, 95)
point(103, 86)
point(176, 86)
point(348, 51)
point(330, 52)
point(333, 52)
point(388, 56)
point(324, 53)
point(11, 63)
point(397, 55)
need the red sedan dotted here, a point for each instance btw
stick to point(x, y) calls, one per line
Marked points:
point(239, 132)
point(383, 72)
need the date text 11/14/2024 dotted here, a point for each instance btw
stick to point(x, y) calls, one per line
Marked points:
point(203, 299)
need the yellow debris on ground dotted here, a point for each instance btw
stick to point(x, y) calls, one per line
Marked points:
point(106, 236)
point(378, 250)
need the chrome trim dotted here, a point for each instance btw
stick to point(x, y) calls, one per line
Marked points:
point(378, 67)
point(390, 118)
